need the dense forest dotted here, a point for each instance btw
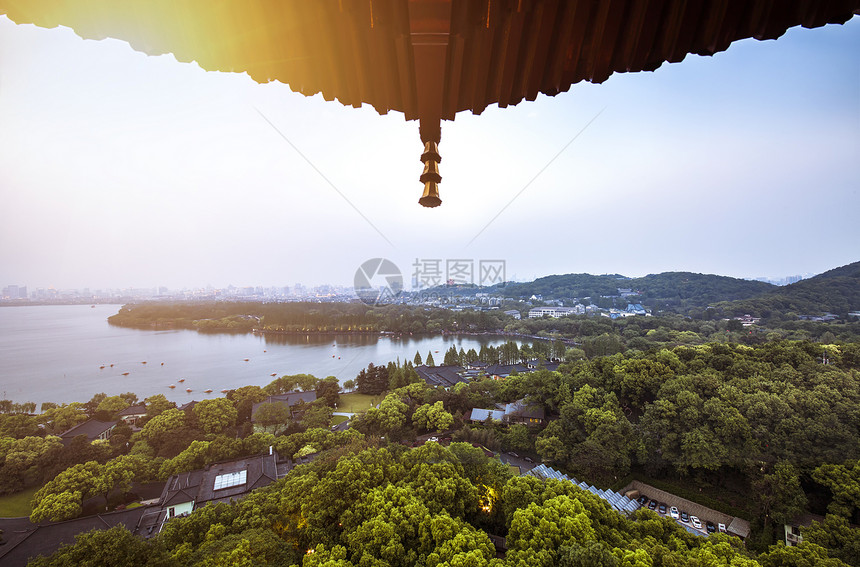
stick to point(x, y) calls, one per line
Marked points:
point(304, 317)
point(429, 506)
point(836, 291)
point(765, 432)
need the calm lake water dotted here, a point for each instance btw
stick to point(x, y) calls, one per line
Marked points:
point(53, 353)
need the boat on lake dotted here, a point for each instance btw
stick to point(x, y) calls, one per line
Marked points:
point(207, 391)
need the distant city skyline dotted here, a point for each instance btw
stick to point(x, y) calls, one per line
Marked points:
point(120, 170)
point(285, 289)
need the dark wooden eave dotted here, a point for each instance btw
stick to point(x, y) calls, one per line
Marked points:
point(496, 51)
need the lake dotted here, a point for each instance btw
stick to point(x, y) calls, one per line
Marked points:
point(53, 353)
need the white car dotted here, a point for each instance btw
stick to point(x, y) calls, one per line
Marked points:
point(696, 523)
point(721, 528)
point(673, 513)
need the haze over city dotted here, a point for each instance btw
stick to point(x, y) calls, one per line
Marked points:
point(119, 169)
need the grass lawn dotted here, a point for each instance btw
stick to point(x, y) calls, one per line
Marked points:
point(338, 419)
point(356, 403)
point(18, 504)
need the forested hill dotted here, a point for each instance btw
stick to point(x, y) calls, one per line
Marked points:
point(847, 271)
point(566, 286)
point(686, 290)
point(835, 291)
point(679, 291)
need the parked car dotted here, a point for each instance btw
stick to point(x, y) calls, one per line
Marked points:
point(652, 505)
point(696, 523)
point(722, 528)
point(710, 527)
point(642, 500)
point(662, 508)
point(673, 513)
point(685, 517)
point(529, 460)
point(514, 455)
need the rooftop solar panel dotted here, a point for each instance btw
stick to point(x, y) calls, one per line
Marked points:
point(229, 480)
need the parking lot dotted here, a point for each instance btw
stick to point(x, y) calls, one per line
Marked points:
point(525, 464)
point(734, 526)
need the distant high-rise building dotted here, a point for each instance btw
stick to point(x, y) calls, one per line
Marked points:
point(14, 292)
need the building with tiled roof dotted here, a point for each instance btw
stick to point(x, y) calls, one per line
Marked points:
point(132, 415)
point(219, 482)
point(521, 411)
point(479, 414)
point(444, 376)
point(92, 428)
point(182, 494)
point(26, 541)
point(499, 371)
point(448, 376)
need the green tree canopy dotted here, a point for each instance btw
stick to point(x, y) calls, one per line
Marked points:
point(215, 415)
point(157, 404)
point(328, 389)
point(273, 417)
point(432, 417)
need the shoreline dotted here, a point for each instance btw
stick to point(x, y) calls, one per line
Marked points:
point(259, 331)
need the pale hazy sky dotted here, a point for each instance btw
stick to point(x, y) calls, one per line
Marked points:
point(118, 169)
